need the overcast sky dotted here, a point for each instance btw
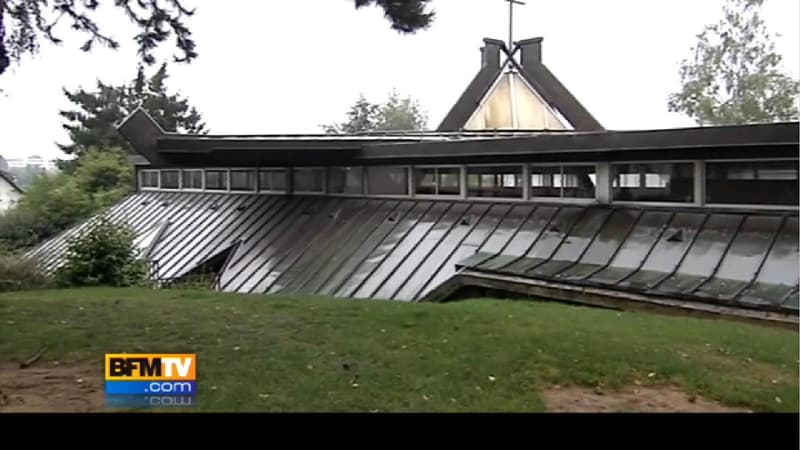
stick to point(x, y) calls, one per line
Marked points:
point(289, 66)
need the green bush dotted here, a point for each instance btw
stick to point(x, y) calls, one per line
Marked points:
point(18, 273)
point(104, 255)
point(54, 202)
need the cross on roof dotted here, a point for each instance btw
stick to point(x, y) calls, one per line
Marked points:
point(511, 4)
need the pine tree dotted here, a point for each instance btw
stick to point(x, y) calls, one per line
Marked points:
point(92, 123)
point(397, 114)
point(401, 114)
point(25, 23)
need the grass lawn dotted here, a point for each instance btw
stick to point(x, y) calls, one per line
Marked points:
point(293, 353)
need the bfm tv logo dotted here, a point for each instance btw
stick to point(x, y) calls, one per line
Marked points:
point(150, 374)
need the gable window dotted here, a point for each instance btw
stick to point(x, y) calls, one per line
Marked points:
point(272, 180)
point(309, 180)
point(170, 179)
point(653, 182)
point(752, 183)
point(243, 180)
point(387, 180)
point(149, 178)
point(437, 181)
point(346, 180)
point(563, 181)
point(192, 179)
point(494, 181)
point(217, 180)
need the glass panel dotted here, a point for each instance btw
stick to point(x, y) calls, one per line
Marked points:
point(217, 180)
point(272, 180)
point(752, 182)
point(705, 254)
point(192, 179)
point(628, 180)
point(579, 181)
point(653, 182)
point(494, 181)
point(449, 181)
point(532, 113)
point(387, 180)
point(749, 248)
point(604, 245)
point(150, 178)
point(346, 180)
point(309, 180)
point(243, 180)
point(170, 179)
point(425, 181)
point(496, 110)
point(781, 265)
point(545, 181)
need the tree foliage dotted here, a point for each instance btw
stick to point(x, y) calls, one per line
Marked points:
point(396, 114)
point(104, 255)
point(92, 123)
point(54, 202)
point(734, 74)
point(406, 16)
point(27, 22)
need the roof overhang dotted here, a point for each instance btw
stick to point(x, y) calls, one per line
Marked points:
point(736, 141)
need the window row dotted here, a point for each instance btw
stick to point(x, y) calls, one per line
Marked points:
point(738, 182)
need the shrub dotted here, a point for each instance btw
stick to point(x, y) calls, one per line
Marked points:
point(54, 202)
point(18, 273)
point(104, 255)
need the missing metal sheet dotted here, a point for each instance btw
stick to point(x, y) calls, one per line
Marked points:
point(676, 236)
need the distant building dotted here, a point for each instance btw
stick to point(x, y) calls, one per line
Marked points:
point(34, 161)
point(16, 163)
point(9, 191)
point(3, 164)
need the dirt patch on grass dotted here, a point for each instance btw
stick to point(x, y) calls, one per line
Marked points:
point(51, 387)
point(661, 399)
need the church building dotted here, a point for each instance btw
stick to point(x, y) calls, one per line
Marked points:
point(520, 192)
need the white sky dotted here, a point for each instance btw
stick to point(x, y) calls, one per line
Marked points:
point(287, 67)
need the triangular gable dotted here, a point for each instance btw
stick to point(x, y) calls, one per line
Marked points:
point(539, 100)
point(513, 104)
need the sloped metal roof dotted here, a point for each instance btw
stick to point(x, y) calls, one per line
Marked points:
point(403, 249)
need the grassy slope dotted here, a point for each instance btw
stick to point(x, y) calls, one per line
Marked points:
point(420, 357)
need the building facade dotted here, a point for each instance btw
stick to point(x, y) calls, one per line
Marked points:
point(520, 190)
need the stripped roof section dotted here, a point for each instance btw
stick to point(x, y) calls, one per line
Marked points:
point(403, 249)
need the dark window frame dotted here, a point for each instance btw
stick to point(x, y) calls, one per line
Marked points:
point(225, 178)
point(362, 183)
point(748, 185)
point(562, 185)
point(437, 180)
point(323, 181)
point(184, 178)
point(143, 177)
point(265, 170)
point(642, 187)
point(253, 184)
point(468, 189)
point(406, 184)
point(164, 173)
